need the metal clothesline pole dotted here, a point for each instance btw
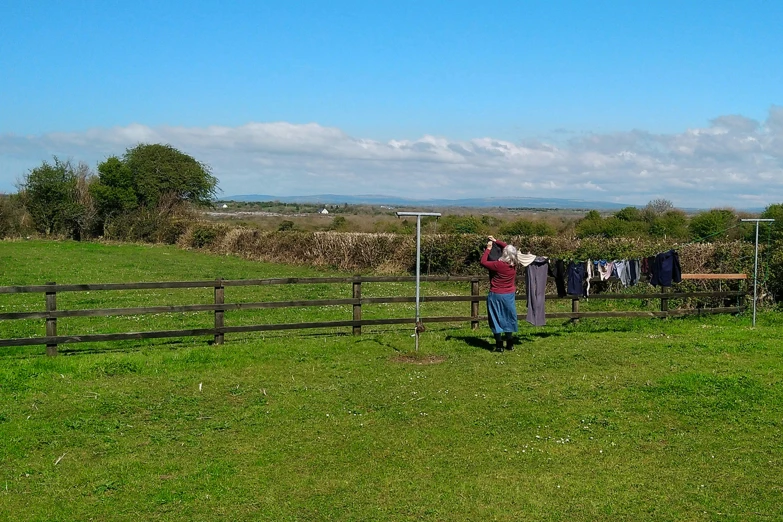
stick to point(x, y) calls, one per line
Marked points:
point(756, 264)
point(418, 263)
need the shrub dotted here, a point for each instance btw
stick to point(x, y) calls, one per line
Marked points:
point(14, 219)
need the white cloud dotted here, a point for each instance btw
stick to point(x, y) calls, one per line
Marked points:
point(697, 167)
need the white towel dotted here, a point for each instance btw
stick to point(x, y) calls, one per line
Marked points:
point(525, 259)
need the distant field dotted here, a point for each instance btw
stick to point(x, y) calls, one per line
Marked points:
point(600, 420)
point(369, 218)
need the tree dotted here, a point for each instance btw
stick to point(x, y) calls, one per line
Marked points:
point(285, 225)
point(672, 224)
point(147, 173)
point(14, 218)
point(527, 227)
point(772, 230)
point(452, 224)
point(339, 223)
point(629, 214)
point(114, 193)
point(712, 225)
point(660, 205)
point(56, 197)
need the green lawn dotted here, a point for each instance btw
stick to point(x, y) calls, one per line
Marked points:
point(677, 419)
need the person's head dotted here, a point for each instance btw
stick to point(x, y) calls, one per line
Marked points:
point(509, 255)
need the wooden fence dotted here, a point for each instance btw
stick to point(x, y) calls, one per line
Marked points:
point(219, 307)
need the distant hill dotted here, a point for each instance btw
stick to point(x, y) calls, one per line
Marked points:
point(509, 202)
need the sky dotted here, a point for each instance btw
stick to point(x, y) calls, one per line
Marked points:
point(613, 101)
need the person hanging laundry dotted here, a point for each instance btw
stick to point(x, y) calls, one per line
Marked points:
point(666, 269)
point(535, 277)
point(501, 303)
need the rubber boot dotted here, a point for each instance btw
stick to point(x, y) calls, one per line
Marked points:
point(509, 341)
point(498, 343)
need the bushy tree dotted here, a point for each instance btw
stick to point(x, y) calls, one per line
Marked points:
point(114, 193)
point(453, 224)
point(14, 219)
point(146, 173)
point(161, 169)
point(527, 227)
point(671, 224)
point(774, 230)
point(629, 214)
point(712, 225)
point(57, 198)
point(143, 194)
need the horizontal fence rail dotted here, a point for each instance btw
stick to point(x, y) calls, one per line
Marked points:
point(219, 307)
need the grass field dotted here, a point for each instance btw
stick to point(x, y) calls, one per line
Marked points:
point(677, 419)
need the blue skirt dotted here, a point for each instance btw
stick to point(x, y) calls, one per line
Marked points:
point(502, 310)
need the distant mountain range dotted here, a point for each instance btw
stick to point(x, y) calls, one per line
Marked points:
point(510, 202)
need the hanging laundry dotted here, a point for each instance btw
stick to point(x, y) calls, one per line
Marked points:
point(635, 271)
point(603, 268)
point(609, 269)
point(576, 276)
point(525, 259)
point(535, 278)
point(495, 252)
point(557, 270)
point(625, 275)
point(622, 273)
point(666, 269)
point(588, 276)
point(647, 267)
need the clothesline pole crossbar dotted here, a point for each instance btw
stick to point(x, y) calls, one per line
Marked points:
point(756, 263)
point(418, 263)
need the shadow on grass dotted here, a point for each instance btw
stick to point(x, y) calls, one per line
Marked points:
point(475, 342)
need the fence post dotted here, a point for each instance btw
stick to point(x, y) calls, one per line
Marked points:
point(219, 313)
point(665, 301)
point(575, 308)
point(51, 322)
point(357, 307)
point(474, 304)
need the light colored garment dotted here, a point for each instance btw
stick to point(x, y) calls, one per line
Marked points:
point(525, 259)
point(589, 276)
point(604, 269)
point(622, 272)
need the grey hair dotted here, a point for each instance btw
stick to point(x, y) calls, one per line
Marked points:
point(509, 255)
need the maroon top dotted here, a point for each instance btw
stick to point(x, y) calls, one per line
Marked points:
point(502, 276)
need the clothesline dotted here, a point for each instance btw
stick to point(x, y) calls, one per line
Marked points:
point(574, 279)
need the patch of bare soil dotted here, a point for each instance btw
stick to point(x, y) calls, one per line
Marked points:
point(419, 359)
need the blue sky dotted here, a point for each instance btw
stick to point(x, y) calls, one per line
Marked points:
point(612, 101)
